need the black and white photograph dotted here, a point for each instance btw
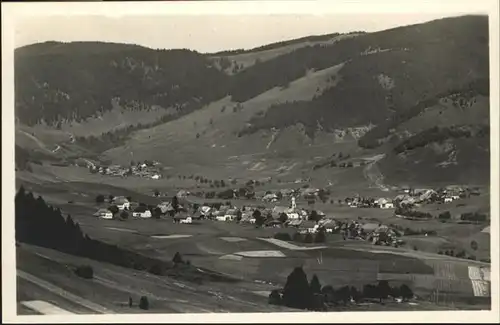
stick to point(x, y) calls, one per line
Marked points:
point(339, 158)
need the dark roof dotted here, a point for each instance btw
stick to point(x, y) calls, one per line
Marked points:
point(181, 215)
point(141, 209)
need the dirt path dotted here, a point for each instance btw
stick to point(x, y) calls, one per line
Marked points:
point(63, 293)
point(373, 174)
point(37, 141)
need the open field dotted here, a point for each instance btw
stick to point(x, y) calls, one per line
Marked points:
point(112, 286)
point(245, 252)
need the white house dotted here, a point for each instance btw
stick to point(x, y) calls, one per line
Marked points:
point(183, 194)
point(387, 205)
point(205, 210)
point(448, 200)
point(293, 215)
point(155, 176)
point(230, 215)
point(271, 197)
point(142, 212)
point(384, 203)
point(121, 203)
point(104, 214)
point(187, 220)
point(221, 218)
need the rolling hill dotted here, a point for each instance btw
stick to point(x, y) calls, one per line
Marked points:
point(286, 104)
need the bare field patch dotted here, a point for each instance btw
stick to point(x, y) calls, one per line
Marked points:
point(231, 257)
point(233, 239)
point(45, 308)
point(262, 293)
point(174, 236)
point(288, 245)
point(261, 254)
point(121, 229)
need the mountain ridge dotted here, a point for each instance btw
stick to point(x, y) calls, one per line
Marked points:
point(372, 86)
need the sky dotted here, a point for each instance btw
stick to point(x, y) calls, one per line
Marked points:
point(204, 33)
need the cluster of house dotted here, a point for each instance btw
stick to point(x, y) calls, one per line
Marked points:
point(278, 216)
point(306, 193)
point(415, 197)
point(412, 197)
point(123, 204)
point(358, 202)
point(146, 170)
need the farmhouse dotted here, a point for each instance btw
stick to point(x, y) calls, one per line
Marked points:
point(205, 211)
point(230, 214)
point(384, 203)
point(182, 217)
point(165, 207)
point(182, 194)
point(104, 214)
point(121, 202)
point(141, 212)
point(271, 197)
point(220, 215)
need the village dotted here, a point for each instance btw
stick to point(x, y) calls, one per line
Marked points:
point(146, 169)
point(183, 209)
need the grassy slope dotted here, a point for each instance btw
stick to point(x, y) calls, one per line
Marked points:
point(176, 144)
point(112, 286)
point(218, 126)
point(249, 58)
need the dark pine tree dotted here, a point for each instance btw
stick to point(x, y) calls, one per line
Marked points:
point(297, 293)
point(315, 284)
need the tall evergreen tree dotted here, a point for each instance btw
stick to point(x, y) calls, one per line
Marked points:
point(315, 285)
point(297, 293)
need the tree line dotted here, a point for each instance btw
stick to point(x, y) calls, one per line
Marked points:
point(38, 223)
point(301, 294)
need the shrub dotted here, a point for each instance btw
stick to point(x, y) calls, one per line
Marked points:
point(157, 269)
point(114, 209)
point(315, 286)
point(308, 238)
point(383, 289)
point(329, 293)
point(445, 215)
point(283, 236)
point(355, 294)
point(283, 217)
point(320, 237)
point(177, 258)
point(85, 271)
point(314, 216)
point(474, 245)
point(275, 297)
point(370, 291)
point(99, 198)
point(343, 294)
point(124, 215)
point(406, 292)
point(144, 303)
point(297, 237)
point(156, 213)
